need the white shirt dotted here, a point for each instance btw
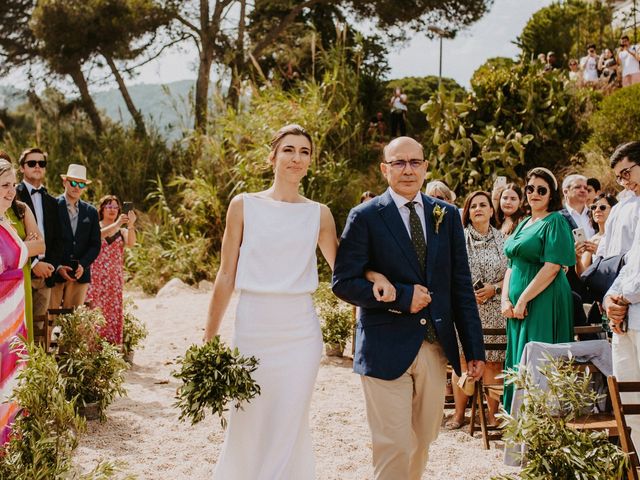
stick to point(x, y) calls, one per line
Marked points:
point(629, 63)
point(401, 202)
point(589, 66)
point(620, 228)
point(398, 105)
point(37, 206)
point(582, 220)
point(627, 283)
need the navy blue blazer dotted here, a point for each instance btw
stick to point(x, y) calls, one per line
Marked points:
point(84, 246)
point(388, 336)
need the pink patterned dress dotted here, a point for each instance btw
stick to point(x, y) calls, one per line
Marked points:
point(13, 255)
point(107, 282)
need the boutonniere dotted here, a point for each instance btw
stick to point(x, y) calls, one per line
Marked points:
point(438, 215)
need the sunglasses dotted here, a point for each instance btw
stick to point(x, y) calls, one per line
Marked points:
point(602, 208)
point(33, 163)
point(542, 191)
point(73, 183)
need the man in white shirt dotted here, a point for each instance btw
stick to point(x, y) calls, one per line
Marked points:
point(575, 190)
point(628, 60)
point(589, 65)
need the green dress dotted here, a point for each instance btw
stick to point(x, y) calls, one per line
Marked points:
point(550, 314)
point(26, 269)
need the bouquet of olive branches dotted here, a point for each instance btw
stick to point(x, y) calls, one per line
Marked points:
point(213, 375)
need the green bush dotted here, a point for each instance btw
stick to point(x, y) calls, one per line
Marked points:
point(617, 121)
point(336, 317)
point(133, 329)
point(92, 367)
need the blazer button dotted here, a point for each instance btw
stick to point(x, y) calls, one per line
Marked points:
point(423, 321)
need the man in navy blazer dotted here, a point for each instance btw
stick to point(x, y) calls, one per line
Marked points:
point(402, 346)
point(81, 241)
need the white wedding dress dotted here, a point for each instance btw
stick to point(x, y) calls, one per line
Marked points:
point(277, 323)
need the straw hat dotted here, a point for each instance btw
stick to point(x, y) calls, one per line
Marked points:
point(76, 172)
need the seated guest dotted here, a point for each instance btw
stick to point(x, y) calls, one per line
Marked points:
point(509, 211)
point(80, 229)
point(485, 245)
point(440, 190)
point(600, 210)
point(107, 273)
point(536, 296)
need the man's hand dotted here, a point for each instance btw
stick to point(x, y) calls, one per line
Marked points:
point(421, 298)
point(65, 272)
point(616, 307)
point(475, 369)
point(79, 271)
point(42, 269)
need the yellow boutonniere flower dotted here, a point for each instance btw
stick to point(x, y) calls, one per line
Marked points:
point(438, 215)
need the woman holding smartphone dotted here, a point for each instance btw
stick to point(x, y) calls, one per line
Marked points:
point(107, 272)
point(536, 298)
point(485, 245)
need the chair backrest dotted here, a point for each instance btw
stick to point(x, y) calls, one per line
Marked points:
point(587, 332)
point(620, 409)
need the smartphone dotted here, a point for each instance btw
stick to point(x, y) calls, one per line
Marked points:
point(478, 284)
point(500, 182)
point(127, 207)
point(578, 235)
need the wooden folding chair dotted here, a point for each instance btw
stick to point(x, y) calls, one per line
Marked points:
point(494, 389)
point(620, 409)
point(580, 332)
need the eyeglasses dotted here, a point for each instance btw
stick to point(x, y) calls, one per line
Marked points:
point(625, 173)
point(33, 163)
point(73, 183)
point(401, 164)
point(602, 208)
point(542, 191)
point(111, 207)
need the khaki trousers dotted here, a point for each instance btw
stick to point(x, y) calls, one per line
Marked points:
point(40, 295)
point(68, 294)
point(405, 415)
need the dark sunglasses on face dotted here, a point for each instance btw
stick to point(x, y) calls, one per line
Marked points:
point(542, 191)
point(602, 208)
point(33, 163)
point(73, 183)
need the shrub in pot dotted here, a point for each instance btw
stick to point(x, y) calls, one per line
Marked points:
point(133, 332)
point(92, 367)
point(337, 319)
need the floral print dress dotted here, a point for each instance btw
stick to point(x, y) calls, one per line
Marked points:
point(107, 282)
point(489, 264)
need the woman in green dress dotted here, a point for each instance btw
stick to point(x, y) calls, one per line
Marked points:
point(536, 298)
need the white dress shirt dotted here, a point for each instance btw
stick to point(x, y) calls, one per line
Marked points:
point(582, 220)
point(401, 202)
point(620, 228)
point(627, 283)
point(37, 206)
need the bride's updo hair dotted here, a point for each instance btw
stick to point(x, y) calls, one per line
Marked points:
point(291, 129)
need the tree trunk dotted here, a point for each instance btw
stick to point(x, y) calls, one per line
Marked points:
point(141, 129)
point(87, 101)
point(237, 66)
point(202, 89)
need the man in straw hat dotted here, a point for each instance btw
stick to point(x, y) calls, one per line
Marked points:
point(80, 237)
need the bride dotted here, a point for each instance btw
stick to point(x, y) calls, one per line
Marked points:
point(269, 255)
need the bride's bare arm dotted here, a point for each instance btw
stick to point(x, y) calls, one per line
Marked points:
point(328, 238)
point(225, 279)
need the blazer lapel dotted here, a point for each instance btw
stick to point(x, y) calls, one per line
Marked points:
point(393, 220)
point(24, 195)
point(64, 213)
point(432, 238)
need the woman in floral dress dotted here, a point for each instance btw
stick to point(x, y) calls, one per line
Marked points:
point(107, 272)
point(488, 264)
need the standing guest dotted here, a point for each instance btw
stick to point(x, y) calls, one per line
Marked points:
point(13, 255)
point(552, 62)
point(80, 238)
point(589, 65)
point(542, 58)
point(574, 189)
point(402, 346)
point(485, 245)
point(628, 60)
point(440, 190)
point(536, 298)
point(509, 211)
point(398, 104)
point(366, 196)
point(594, 188)
point(607, 65)
point(33, 166)
point(574, 71)
point(620, 227)
point(107, 273)
point(600, 210)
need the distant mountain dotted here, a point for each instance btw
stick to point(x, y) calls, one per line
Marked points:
point(11, 97)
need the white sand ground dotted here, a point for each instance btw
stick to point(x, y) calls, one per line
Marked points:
point(143, 430)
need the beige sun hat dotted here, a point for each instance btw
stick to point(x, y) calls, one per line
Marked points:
point(76, 172)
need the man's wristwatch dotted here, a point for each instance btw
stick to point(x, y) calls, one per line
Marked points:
point(498, 289)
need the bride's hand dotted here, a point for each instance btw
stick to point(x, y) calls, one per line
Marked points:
point(383, 290)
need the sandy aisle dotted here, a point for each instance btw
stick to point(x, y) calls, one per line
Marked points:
point(143, 429)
